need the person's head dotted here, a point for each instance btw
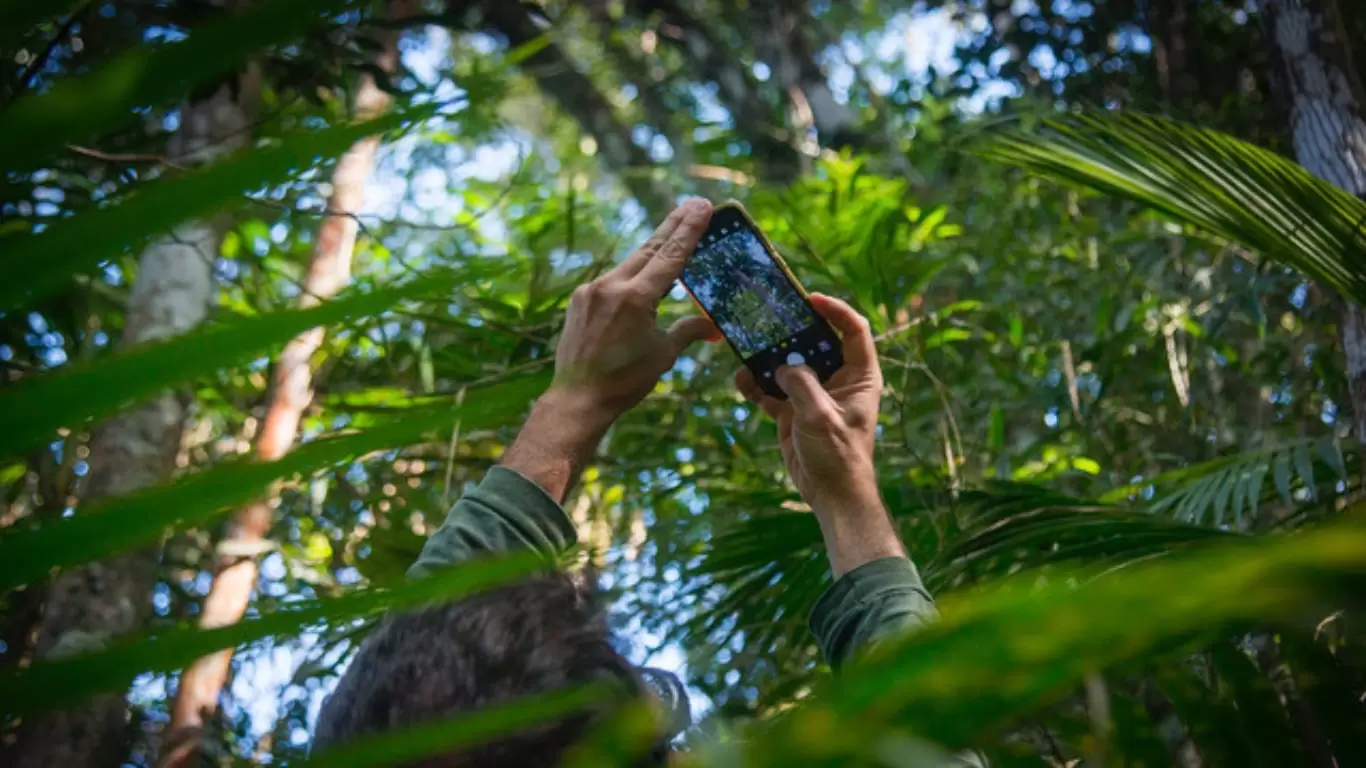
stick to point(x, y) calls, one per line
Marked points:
point(542, 634)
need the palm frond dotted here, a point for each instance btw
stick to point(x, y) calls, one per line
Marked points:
point(1207, 180)
point(765, 574)
point(1000, 654)
point(1229, 491)
point(1012, 527)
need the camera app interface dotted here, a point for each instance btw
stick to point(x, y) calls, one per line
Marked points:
point(745, 291)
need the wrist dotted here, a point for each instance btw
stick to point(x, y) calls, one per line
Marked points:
point(854, 491)
point(576, 409)
point(854, 523)
point(557, 442)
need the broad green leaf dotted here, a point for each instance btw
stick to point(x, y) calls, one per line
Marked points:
point(36, 406)
point(80, 108)
point(998, 655)
point(125, 522)
point(1208, 180)
point(36, 265)
point(49, 684)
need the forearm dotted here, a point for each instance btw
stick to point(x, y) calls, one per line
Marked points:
point(557, 442)
point(855, 525)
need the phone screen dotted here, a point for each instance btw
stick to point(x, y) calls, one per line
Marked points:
point(752, 300)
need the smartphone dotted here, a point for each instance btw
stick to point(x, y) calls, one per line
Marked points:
point(742, 284)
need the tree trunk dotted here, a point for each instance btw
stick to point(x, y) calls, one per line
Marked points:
point(1312, 64)
point(772, 146)
point(659, 103)
point(329, 270)
point(559, 79)
point(85, 607)
point(795, 69)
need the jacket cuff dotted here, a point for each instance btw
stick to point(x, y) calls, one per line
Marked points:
point(517, 492)
point(837, 612)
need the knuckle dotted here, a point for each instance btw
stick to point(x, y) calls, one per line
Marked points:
point(822, 416)
point(671, 251)
point(636, 296)
point(861, 420)
point(584, 293)
point(616, 293)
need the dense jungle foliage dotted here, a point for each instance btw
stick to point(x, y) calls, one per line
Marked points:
point(279, 279)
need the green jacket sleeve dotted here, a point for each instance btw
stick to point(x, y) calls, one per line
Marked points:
point(505, 512)
point(863, 606)
point(871, 602)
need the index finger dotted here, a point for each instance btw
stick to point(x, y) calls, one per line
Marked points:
point(855, 333)
point(667, 261)
point(641, 256)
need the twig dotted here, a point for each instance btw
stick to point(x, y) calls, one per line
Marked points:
point(110, 157)
point(1070, 369)
point(450, 453)
point(718, 173)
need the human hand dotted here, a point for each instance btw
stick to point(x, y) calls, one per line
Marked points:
point(612, 350)
point(826, 435)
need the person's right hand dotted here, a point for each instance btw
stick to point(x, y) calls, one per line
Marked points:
point(827, 432)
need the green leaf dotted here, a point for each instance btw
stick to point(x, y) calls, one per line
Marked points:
point(1207, 180)
point(996, 439)
point(81, 108)
point(1331, 453)
point(37, 406)
point(126, 522)
point(49, 684)
point(1242, 491)
point(998, 655)
point(39, 264)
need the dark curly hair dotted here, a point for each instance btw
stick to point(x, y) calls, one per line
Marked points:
point(545, 633)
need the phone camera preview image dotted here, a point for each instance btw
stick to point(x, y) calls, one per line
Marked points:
point(758, 309)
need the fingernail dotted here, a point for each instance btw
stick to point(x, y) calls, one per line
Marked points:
point(697, 203)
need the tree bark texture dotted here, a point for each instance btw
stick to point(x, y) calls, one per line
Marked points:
point(291, 392)
point(1312, 63)
point(85, 607)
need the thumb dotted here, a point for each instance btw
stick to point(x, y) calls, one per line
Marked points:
point(689, 329)
point(809, 399)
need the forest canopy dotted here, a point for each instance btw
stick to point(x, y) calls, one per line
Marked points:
point(281, 279)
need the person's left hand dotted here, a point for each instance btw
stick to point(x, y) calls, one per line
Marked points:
point(612, 350)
